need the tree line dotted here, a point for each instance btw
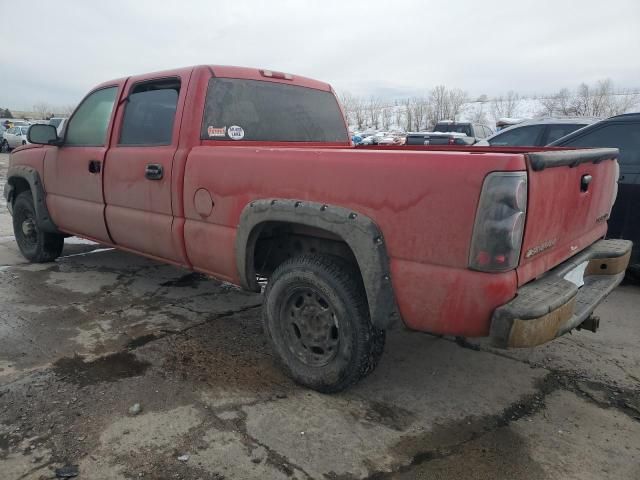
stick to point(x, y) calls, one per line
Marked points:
point(441, 103)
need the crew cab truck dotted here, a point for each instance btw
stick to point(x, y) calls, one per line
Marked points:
point(247, 174)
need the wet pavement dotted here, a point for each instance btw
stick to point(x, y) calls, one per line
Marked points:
point(85, 338)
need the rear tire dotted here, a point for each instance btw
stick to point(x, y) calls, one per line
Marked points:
point(316, 318)
point(36, 246)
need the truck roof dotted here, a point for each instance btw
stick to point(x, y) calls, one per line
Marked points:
point(229, 71)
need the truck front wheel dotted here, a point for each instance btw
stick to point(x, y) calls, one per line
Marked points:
point(316, 318)
point(36, 246)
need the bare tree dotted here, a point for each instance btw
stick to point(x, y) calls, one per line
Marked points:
point(420, 111)
point(42, 110)
point(373, 110)
point(400, 115)
point(564, 101)
point(408, 115)
point(624, 102)
point(457, 99)
point(445, 104)
point(550, 105)
point(505, 106)
point(387, 117)
point(439, 99)
point(581, 101)
point(601, 99)
point(478, 114)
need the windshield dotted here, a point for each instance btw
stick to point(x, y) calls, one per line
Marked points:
point(452, 127)
point(55, 122)
point(24, 130)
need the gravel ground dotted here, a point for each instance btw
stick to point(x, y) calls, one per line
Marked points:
point(84, 339)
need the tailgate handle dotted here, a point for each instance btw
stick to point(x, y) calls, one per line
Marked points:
point(584, 183)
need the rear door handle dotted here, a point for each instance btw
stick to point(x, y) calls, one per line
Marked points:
point(153, 171)
point(95, 166)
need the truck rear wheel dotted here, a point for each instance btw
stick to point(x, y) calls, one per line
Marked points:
point(316, 318)
point(36, 246)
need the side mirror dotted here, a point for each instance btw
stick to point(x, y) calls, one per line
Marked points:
point(43, 135)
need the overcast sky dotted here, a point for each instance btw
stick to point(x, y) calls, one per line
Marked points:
point(54, 51)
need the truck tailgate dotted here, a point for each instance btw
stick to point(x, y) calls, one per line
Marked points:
point(570, 195)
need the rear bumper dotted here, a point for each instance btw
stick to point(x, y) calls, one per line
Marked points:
point(551, 305)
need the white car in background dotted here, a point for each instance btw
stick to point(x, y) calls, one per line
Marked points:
point(14, 137)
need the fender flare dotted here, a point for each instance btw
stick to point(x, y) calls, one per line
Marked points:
point(358, 231)
point(32, 177)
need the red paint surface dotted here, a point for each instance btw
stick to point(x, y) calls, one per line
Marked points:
point(423, 198)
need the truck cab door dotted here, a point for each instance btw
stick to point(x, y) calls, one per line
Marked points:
point(138, 168)
point(73, 171)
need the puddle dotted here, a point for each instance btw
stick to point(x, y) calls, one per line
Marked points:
point(104, 369)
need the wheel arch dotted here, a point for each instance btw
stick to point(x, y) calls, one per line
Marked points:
point(360, 233)
point(21, 178)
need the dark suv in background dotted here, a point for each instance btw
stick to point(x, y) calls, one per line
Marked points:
point(536, 133)
point(623, 132)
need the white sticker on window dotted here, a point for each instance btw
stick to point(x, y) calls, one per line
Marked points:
point(216, 132)
point(235, 132)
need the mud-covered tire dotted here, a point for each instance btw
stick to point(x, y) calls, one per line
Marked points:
point(35, 245)
point(316, 318)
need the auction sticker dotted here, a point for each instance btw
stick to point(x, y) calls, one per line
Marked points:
point(235, 132)
point(216, 132)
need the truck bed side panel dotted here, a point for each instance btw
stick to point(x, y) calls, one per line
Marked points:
point(424, 203)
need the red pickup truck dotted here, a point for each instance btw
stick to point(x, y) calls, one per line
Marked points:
point(249, 175)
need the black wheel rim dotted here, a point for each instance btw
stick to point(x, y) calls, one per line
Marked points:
point(27, 230)
point(310, 326)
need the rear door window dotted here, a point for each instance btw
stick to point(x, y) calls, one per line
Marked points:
point(554, 132)
point(528, 136)
point(150, 113)
point(253, 110)
point(625, 136)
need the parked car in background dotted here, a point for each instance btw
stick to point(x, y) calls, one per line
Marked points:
point(536, 133)
point(506, 122)
point(622, 132)
point(450, 133)
point(59, 123)
point(13, 138)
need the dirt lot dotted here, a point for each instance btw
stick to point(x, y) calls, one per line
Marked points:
point(85, 338)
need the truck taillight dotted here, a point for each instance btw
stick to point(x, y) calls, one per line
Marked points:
point(499, 225)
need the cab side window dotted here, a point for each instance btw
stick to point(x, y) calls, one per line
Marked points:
point(89, 124)
point(150, 113)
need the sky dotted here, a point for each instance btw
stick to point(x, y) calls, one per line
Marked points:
point(55, 51)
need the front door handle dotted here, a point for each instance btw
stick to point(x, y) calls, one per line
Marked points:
point(95, 166)
point(153, 171)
